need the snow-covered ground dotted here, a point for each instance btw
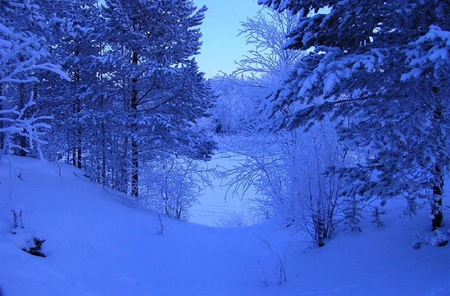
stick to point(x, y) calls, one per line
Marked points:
point(98, 243)
point(219, 206)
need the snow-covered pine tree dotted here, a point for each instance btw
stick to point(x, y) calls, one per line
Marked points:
point(378, 68)
point(73, 45)
point(23, 55)
point(151, 45)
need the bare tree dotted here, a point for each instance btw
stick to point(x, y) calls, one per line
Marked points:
point(173, 185)
point(267, 32)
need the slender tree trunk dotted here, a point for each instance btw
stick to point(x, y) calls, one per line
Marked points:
point(103, 135)
point(78, 108)
point(77, 136)
point(22, 101)
point(135, 168)
point(103, 169)
point(438, 186)
point(437, 202)
point(123, 182)
point(74, 156)
point(69, 146)
point(134, 141)
point(79, 149)
point(103, 155)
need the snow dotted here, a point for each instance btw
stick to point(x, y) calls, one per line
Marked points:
point(218, 205)
point(330, 81)
point(98, 243)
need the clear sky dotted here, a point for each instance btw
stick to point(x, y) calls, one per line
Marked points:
point(221, 46)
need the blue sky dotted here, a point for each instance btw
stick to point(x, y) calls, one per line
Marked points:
point(221, 46)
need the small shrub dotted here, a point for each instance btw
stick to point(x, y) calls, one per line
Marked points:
point(36, 250)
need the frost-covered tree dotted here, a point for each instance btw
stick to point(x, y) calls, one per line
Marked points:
point(74, 44)
point(173, 184)
point(267, 33)
point(235, 110)
point(265, 65)
point(382, 64)
point(151, 45)
point(287, 170)
point(23, 56)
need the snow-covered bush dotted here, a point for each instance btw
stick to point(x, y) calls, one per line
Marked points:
point(173, 185)
point(289, 172)
point(441, 238)
point(234, 219)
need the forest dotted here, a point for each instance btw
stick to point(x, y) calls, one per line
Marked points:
point(339, 111)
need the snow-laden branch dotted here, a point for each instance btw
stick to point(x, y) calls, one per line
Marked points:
point(429, 52)
point(17, 121)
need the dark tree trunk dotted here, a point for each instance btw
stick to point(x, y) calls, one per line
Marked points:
point(77, 134)
point(134, 141)
point(22, 139)
point(134, 168)
point(438, 186)
point(103, 156)
point(436, 209)
point(79, 150)
point(124, 178)
point(78, 108)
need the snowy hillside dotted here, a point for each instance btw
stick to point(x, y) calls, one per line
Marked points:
point(98, 243)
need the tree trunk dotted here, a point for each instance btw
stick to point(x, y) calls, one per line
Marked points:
point(134, 168)
point(103, 156)
point(134, 141)
point(103, 141)
point(22, 139)
point(79, 149)
point(78, 108)
point(124, 178)
point(438, 186)
point(77, 134)
point(436, 208)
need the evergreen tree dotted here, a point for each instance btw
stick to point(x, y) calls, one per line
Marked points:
point(378, 67)
point(151, 45)
point(23, 56)
point(74, 45)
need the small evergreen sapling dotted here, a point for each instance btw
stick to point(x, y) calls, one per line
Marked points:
point(377, 212)
point(352, 208)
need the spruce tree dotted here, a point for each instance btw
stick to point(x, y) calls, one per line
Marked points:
point(378, 68)
point(24, 55)
point(151, 49)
